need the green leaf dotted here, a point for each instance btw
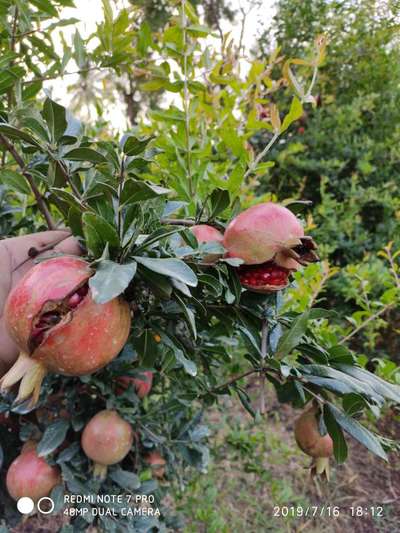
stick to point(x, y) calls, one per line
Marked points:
point(110, 280)
point(138, 191)
point(190, 317)
point(220, 200)
point(334, 430)
point(188, 365)
point(125, 479)
point(291, 338)
point(173, 268)
point(15, 181)
point(53, 437)
point(132, 145)
point(358, 432)
point(18, 135)
point(295, 112)
point(46, 6)
point(98, 233)
point(55, 117)
point(85, 154)
point(382, 387)
point(156, 236)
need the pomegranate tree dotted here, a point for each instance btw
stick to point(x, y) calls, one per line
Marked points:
point(270, 241)
point(106, 439)
point(58, 327)
point(30, 475)
point(312, 443)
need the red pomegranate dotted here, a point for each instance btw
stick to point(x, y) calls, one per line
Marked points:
point(29, 475)
point(142, 386)
point(157, 464)
point(59, 328)
point(106, 439)
point(205, 234)
point(270, 241)
point(312, 443)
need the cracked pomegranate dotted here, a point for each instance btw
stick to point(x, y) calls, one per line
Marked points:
point(312, 443)
point(207, 234)
point(58, 327)
point(270, 241)
point(29, 475)
point(106, 439)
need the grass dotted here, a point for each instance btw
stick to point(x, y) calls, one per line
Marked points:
point(257, 467)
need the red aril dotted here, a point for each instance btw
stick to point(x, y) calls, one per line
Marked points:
point(58, 327)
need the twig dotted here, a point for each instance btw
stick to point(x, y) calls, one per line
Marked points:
point(264, 339)
point(392, 266)
point(367, 321)
point(10, 96)
point(67, 178)
point(186, 101)
point(178, 221)
point(34, 252)
point(317, 290)
point(234, 379)
point(39, 198)
point(261, 155)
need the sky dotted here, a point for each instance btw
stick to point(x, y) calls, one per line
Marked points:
point(89, 13)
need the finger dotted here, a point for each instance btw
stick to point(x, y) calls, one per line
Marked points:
point(18, 247)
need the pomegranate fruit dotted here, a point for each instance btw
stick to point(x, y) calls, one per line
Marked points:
point(58, 327)
point(106, 439)
point(312, 443)
point(157, 464)
point(270, 241)
point(142, 386)
point(30, 475)
point(205, 234)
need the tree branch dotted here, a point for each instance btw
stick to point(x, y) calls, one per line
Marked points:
point(39, 198)
point(367, 321)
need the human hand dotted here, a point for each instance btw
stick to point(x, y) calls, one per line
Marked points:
point(14, 263)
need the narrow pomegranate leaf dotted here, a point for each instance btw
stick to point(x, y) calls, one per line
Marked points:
point(358, 432)
point(53, 437)
point(173, 268)
point(335, 431)
point(291, 338)
point(384, 388)
point(126, 480)
point(110, 280)
point(356, 385)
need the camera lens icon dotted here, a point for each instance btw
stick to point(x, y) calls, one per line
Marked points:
point(26, 505)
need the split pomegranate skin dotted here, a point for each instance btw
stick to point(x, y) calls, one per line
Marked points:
point(270, 241)
point(57, 325)
point(29, 475)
